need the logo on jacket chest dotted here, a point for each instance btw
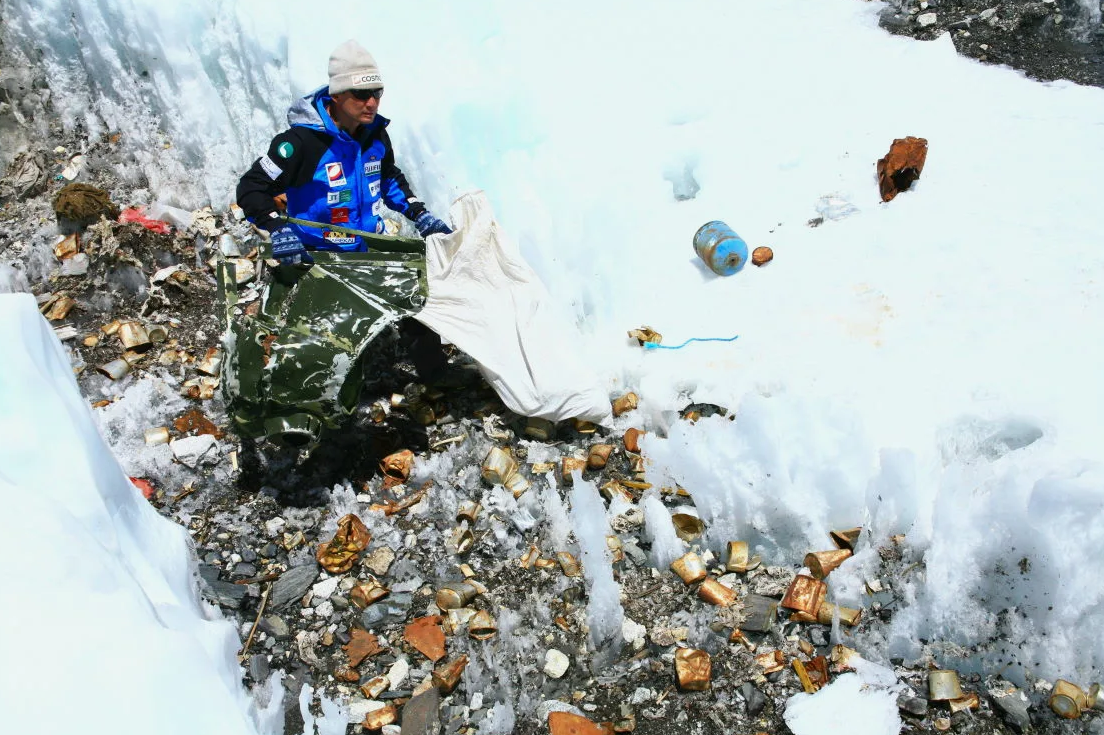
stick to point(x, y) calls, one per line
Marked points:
point(339, 197)
point(372, 167)
point(335, 174)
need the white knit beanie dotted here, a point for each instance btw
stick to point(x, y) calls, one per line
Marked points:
point(352, 67)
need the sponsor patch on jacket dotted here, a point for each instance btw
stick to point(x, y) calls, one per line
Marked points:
point(270, 167)
point(285, 150)
point(372, 167)
point(339, 215)
point(377, 207)
point(335, 174)
point(346, 196)
point(333, 197)
point(374, 188)
point(337, 238)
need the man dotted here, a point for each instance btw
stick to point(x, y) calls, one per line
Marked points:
point(334, 164)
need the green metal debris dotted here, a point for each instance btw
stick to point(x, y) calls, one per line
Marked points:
point(295, 367)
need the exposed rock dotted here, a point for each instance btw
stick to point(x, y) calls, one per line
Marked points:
point(292, 585)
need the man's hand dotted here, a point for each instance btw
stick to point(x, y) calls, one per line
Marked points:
point(288, 248)
point(428, 225)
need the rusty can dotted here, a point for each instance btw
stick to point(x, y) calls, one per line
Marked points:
point(468, 511)
point(133, 336)
point(689, 567)
point(846, 538)
point(1096, 697)
point(720, 248)
point(821, 563)
point(847, 615)
point(598, 456)
point(447, 676)
point(1067, 699)
point(568, 564)
point(805, 594)
point(625, 403)
point(498, 466)
point(456, 594)
point(716, 593)
point(943, 685)
point(693, 668)
point(482, 626)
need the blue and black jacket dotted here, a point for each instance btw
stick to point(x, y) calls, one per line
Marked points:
point(328, 176)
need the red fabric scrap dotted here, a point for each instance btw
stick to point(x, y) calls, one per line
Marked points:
point(137, 214)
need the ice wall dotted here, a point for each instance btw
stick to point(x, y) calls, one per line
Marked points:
point(98, 588)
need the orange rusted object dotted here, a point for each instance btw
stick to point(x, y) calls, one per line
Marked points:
point(368, 593)
point(447, 676)
point(821, 563)
point(352, 537)
point(425, 634)
point(194, 420)
point(598, 456)
point(396, 468)
point(566, 723)
point(805, 595)
point(901, 166)
point(694, 669)
point(716, 593)
point(762, 255)
point(771, 661)
point(361, 645)
point(632, 440)
point(377, 718)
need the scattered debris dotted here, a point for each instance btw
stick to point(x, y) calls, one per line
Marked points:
point(901, 166)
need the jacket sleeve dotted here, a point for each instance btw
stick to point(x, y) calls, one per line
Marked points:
point(272, 174)
point(395, 190)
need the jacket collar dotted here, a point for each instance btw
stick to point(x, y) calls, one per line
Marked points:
point(309, 111)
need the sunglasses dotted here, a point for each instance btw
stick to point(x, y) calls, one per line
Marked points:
point(366, 94)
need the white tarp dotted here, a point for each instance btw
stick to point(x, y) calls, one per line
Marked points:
point(485, 299)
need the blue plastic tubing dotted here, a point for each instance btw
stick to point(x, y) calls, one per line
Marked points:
point(720, 248)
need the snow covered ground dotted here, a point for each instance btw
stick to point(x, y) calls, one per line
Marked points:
point(927, 366)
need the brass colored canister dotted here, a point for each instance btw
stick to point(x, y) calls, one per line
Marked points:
point(517, 484)
point(689, 567)
point(529, 558)
point(693, 668)
point(584, 427)
point(847, 538)
point(617, 549)
point(738, 560)
point(613, 490)
point(133, 336)
point(624, 404)
point(468, 511)
point(848, 615)
point(632, 440)
point(398, 465)
point(377, 718)
point(211, 364)
point(116, 369)
point(771, 661)
point(498, 465)
point(966, 701)
point(375, 687)
point(687, 525)
point(462, 540)
point(540, 429)
point(447, 676)
point(363, 595)
point(456, 594)
point(943, 685)
point(716, 593)
point(598, 456)
point(1096, 697)
point(569, 465)
point(1067, 699)
point(157, 334)
point(568, 564)
point(805, 594)
point(821, 563)
point(482, 626)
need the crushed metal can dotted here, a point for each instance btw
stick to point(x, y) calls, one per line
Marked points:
point(632, 440)
point(967, 701)
point(624, 404)
point(821, 563)
point(616, 547)
point(807, 683)
point(693, 668)
point(687, 524)
point(739, 637)
point(133, 336)
point(468, 511)
point(1096, 697)
point(646, 334)
point(805, 595)
point(943, 685)
point(482, 626)
point(211, 364)
point(598, 455)
point(716, 593)
point(738, 560)
point(462, 540)
point(841, 658)
point(529, 558)
point(517, 484)
point(689, 567)
point(569, 465)
point(847, 538)
point(375, 687)
point(771, 661)
point(368, 593)
point(849, 616)
point(457, 594)
point(613, 490)
point(447, 676)
point(338, 555)
point(540, 429)
point(396, 467)
point(498, 466)
point(568, 564)
point(1067, 699)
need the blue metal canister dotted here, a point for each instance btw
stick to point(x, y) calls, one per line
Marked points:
point(720, 248)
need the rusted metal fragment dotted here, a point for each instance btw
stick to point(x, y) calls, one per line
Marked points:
point(396, 468)
point(846, 539)
point(901, 166)
point(363, 595)
point(632, 440)
point(361, 645)
point(624, 404)
point(762, 255)
point(598, 456)
point(339, 554)
point(821, 563)
point(194, 420)
point(426, 636)
point(447, 676)
point(568, 723)
point(805, 595)
point(716, 593)
point(689, 567)
point(693, 668)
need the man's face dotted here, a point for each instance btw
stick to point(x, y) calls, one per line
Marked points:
point(358, 106)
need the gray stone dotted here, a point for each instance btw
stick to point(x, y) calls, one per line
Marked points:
point(244, 570)
point(754, 700)
point(269, 551)
point(818, 636)
point(761, 612)
point(292, 585)
point(372, 616)
point(1013, 710)
point(276, 627)
point(258, 667)
point(914, 706)
point(635, 554)
point(249, 555)
point(227, 594)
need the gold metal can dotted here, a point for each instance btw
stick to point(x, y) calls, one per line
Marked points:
point(156, 435)
point(447, 676)
point(482, 626)
point(598, 455)
point(368, 593)
point(805, 594)
point(375, 687)
point(540, 429)
point(133, 336)
point(849, 616)
point(625, 403)
point(943, 685)
point(377, 718)
point(468, 511)
point(569, 465)
point(846, 538)
point(821, 563)
point(1067, 699)
point(693, 668)
point(456, 594)
point(568, 564)
point(632, 440)
point(716, 593)
point(498, 466)
point(689, 567)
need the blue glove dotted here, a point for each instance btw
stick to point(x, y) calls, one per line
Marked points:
point(428, 225)
point(288, 248)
